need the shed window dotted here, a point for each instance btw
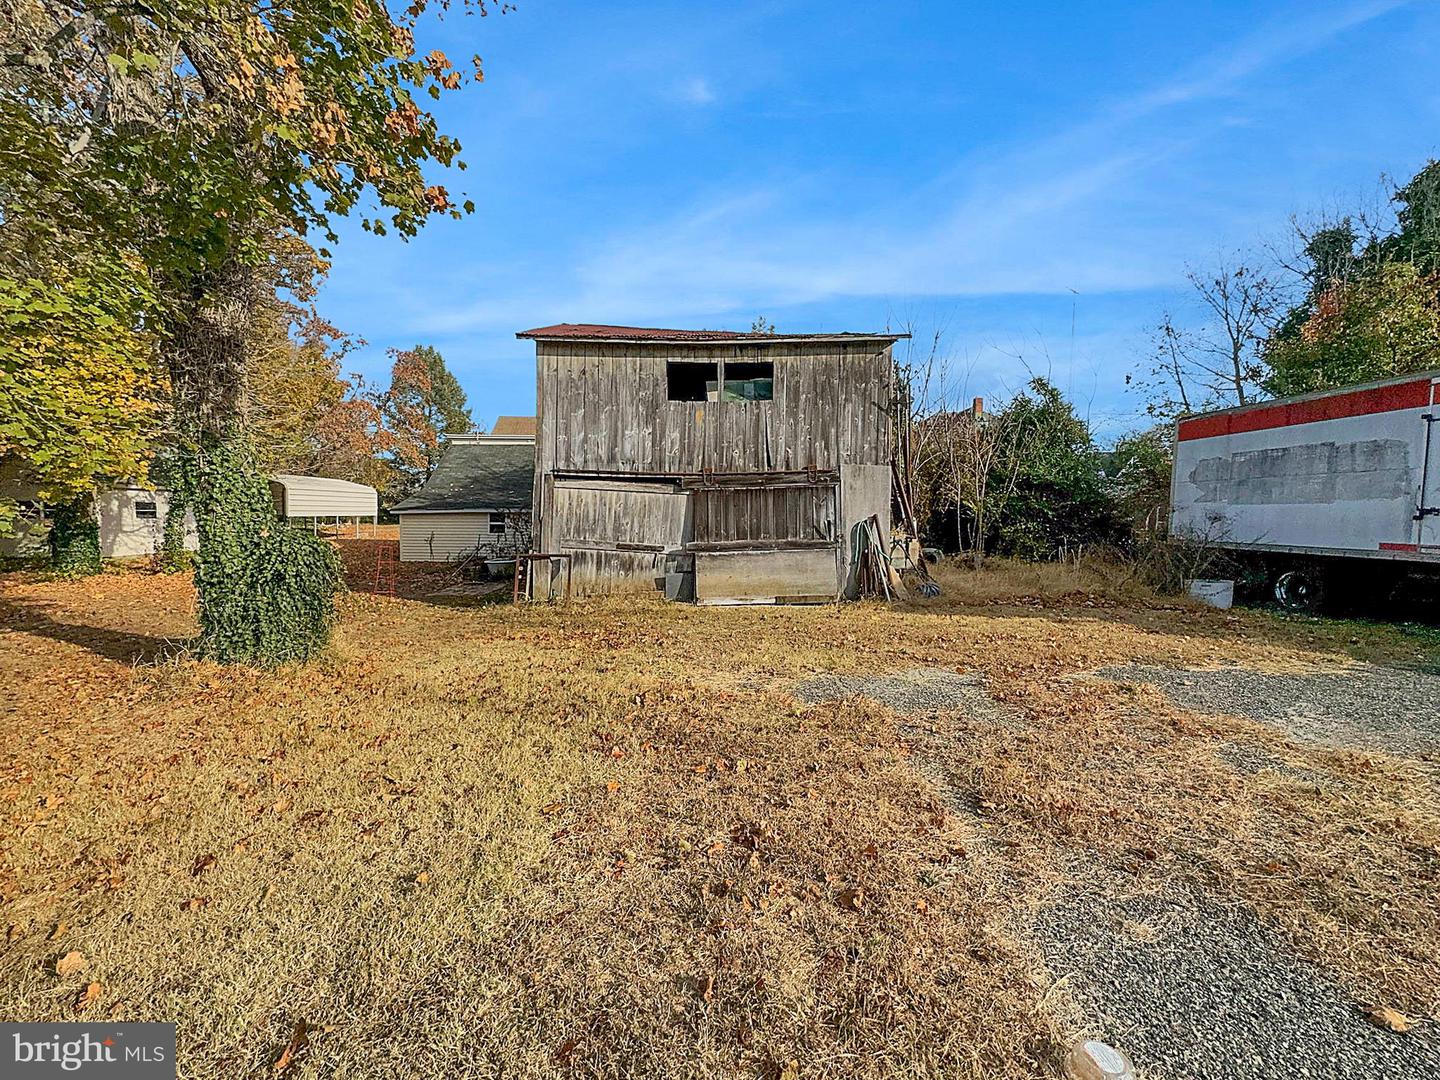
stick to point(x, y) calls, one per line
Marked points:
point(497, 523)
point(686, 380)
point(750, 381)
point(146, 511)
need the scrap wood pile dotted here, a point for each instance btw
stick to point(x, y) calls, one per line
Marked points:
point(913, 571)
point(874, 576)
point(876, 572)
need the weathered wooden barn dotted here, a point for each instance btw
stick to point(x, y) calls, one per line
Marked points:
point(723, 467)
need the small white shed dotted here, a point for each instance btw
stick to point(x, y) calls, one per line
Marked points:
point(320, 498)
point(132, 522)
point(476, 503)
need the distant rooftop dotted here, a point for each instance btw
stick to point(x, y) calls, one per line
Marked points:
point(601, 332)
point(478, 473)
point(513, 425)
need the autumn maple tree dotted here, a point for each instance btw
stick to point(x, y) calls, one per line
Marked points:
point(425, 402)
point(187, 135)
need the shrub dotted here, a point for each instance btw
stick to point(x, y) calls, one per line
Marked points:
point(267, 588)
point(75, 539)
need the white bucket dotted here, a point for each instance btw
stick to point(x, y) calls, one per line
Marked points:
point(1215, 592)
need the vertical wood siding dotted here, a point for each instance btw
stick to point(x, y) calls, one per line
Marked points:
point(603, 410)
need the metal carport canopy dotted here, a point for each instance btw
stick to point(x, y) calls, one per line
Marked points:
point(321, 497)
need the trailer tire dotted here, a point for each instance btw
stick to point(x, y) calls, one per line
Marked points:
point(1300, 591)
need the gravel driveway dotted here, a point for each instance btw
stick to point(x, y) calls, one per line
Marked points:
point(1190, 988)
point(1378, 708)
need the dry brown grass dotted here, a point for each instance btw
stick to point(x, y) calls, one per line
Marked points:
point(603, 839)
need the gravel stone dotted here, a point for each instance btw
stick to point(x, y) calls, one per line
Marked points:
point(1389, 709)
point(1190, 988)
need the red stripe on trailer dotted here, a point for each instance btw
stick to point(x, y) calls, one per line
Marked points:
point(1399, 547)
point(1413, 395)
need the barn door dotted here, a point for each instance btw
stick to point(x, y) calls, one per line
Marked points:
point(616, 533)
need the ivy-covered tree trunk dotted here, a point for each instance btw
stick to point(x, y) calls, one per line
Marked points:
point(75, 538)
point(266, 590)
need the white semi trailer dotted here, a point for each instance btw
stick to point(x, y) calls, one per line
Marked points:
point(1334, 490)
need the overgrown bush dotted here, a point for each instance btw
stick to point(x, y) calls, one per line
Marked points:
point(267, 589)
point(1166, 564)
point(75, 539)
point(293, 583)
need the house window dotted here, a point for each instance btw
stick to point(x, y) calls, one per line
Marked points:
point(146, 511)
point(749, 381)
point(688, 381)
point(497, 523)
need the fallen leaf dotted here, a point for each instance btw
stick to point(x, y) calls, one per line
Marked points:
point(852, 898)
point(616, 752)
point(552, 808)
point(202, 863)
point(282, 804)
point(72, 963)
point(1385, 1017)
point(921, 906)
point(565, 1050)
point(613, 786)
point(707, 988)
point(88, 996)
point(422, 878)
point(195, 903)
point(59, 931)
point(297, 1043)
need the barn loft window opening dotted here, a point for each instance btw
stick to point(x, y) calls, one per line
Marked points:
point(146, 511)
point(752, 380)
point(497, 523)
point(689, 380)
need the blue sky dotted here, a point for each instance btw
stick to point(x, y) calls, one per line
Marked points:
point(994, 170)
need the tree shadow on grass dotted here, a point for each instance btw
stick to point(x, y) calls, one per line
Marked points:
point(119, 645)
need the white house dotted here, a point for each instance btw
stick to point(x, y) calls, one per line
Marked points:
point(476, 502)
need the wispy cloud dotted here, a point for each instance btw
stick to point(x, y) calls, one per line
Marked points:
point(696, 91)
point(1077, 208)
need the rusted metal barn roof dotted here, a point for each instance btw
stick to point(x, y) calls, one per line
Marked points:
point(601, 332)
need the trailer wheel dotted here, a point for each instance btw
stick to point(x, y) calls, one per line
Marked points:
point(1299, 591)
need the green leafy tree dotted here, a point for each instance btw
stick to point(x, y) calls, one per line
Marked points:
point(1137, 478)
point(80, 392)
point(1059, 500)
point(1384, 323)
point(190, 133)
point(1416, 238)
point(1370, 307)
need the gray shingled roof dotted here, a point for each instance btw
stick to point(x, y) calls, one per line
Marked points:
point(478, 476)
